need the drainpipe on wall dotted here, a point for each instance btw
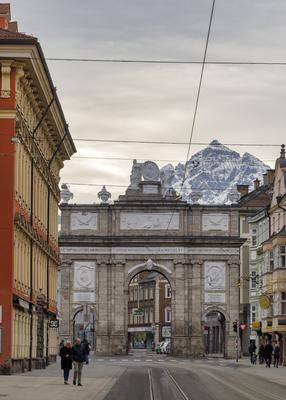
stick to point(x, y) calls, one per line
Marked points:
point(31, 267)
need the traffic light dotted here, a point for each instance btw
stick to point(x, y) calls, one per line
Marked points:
point(234, 325)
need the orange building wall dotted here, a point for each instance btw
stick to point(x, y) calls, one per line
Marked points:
point(7, 162)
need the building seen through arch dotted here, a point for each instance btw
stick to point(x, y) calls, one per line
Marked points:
point(149, 310)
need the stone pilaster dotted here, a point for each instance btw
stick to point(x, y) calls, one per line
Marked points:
point(179, 326)
point(119, 310)
point(66, 312)
point(233, 308)
point(196, 289)
point(103, 307)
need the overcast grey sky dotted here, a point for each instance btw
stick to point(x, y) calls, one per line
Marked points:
point(238, 104)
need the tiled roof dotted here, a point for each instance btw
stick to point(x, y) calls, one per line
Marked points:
point(6, 34)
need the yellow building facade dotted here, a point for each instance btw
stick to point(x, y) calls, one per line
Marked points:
point(35, 143)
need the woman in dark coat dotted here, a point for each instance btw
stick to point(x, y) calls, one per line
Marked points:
point(66, 360)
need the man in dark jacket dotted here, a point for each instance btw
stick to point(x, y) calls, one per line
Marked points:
point(252, 350)
point(276, 355)
point(86, 349)
point(79, 357)
point(268, 350)
point(66, 360)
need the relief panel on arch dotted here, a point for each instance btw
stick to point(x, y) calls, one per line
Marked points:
point(149, 221)
point(214, 275)
point(215, 222)
point(84, 275)
point(83, 221)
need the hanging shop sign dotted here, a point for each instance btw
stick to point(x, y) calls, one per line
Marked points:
point(137, 312)
point(264, 302)
point(54, 323)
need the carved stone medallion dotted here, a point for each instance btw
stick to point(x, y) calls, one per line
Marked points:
point(150, 171)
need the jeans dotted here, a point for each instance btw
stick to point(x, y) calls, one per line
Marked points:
point(268, 360)
point(77, 370)
point(66, 374)
point(276, 361)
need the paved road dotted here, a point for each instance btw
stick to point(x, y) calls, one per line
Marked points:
point(150, 377)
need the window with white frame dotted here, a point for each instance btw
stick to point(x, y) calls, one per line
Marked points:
point(254, 237)
point(135, 297)
point(146, 315)
point(253, 280)
point(283, 303)
point(271, 260)
point(167, 291)
point(168, 314)
point(146, 294)
point(282, 256)
point(253, 314)
point(151, 292)
point(151, 315)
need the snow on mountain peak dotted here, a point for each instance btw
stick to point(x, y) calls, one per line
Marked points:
point(214, 172)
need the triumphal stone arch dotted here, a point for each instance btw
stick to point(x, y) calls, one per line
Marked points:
point(196, 247)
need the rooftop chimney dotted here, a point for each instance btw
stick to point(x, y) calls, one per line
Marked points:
point(242, 189)
point(5, 15)
point(268, 177)
point(282, 152)
point(256, 184)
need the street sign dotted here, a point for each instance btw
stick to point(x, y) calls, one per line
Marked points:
point(137, 312)
point(166, 332)
point(54, 323)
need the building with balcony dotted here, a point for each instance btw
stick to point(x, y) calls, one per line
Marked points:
point(34, 143)
point(259, 231)
point(274, 262)
point(251, 203)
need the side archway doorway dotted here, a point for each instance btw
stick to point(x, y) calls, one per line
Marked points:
point(214, 333)
point(84, 325)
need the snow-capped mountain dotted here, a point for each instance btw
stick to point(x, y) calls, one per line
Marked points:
point(213, 173)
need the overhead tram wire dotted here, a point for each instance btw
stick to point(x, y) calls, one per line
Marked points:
point(126, 186)
point(160, 142)
point(148, 61)
point(196, 108)
point(153, 159)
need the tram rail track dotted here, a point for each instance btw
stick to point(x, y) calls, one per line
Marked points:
point(181, 394)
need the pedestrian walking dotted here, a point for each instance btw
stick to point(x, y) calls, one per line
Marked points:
point(79, 357)
point(87, 350)
point(261, 354)
point(252, 350)
point(61, 345)
point(268, 350)
point(66, 360)
point(276, 355)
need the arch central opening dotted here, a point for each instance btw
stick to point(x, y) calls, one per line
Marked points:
point(149, 313)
